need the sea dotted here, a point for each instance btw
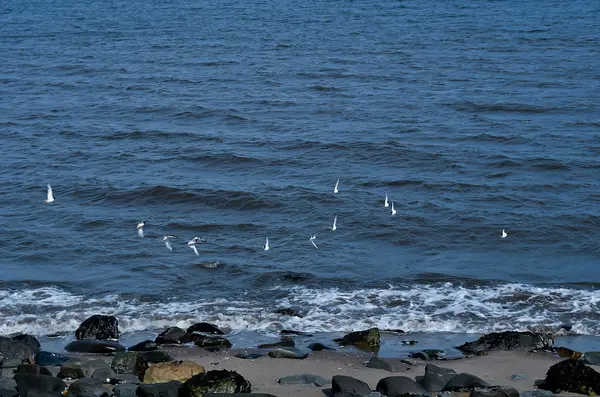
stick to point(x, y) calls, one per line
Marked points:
point(233, 121)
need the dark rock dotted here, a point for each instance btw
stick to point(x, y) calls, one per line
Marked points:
point(213, 341)
point(428, 354)
point(537, 393)
point(105, 375)
point(568, 353)
point(465, 382)
point(509, 340)
point(369, 337)
point(125, 390)
point(32, 369)
point(436, 378)
point(173, 336)
point(281, 343)
point(205, 328)
point(26, 382)
point(387, 364)
point(125, 378)
point(318, 347)
point(304, 379)
point(223, 381)
point(592, 358)
point(394, 386)
point(144, 346)
point(48, 358)
point(518, 377)
point(156, 356)
point(94, 346)
point(288, 352)
point(409, 342)
point(290, 311)
point(168, 389)
point(572, 376)
point(88, 387)
point(347, 384)
point(76, 368)
point(129, 363)
point(495, 392)
point(250, 356)
point(20, 348)
point(98, 327)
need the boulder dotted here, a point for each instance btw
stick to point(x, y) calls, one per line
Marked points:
point(348, 384)
point(388, 364)
point(249, 356)
point(465, 382)
point(290, 311)
point(98, 327)
point(222, 381)
point(129, 363)
point(156, 356)
point(304, 379)
point(369, 338)
point(428, 354)
point(318, 347)
point(125, 378)
point(289, 352)
point(19, 348)
point(88, 387)
point(572, 376)
point(45, 383)
point(568, 353)
point(174, 370)
point(48, 358)
point(592, 358)
point(76, 368)
point(32, 369)
point(168, 389)
point(94, 346)
point(125, 390)
point(212, 342)
point(173, 336)
point(495, 392)
point(436, 378)
point(144, 346)
point(281, 343)
point(509, 340)
point(394, 386)
point(205, 328)
point(106, 375)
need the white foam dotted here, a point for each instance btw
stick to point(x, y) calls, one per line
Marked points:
point(418, 308)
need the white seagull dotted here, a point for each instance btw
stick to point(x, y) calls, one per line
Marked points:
point(167, 242)
point(312, 240)
point(504, 234)
point(335, 189)
point(385, 203)
point(195, 240)
point(50, 196)
point(266, 246)
point(195, 250)
point(334, 224)
point(393, 210)
point(140, 229)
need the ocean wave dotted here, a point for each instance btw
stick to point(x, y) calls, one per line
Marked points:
point(472, 107)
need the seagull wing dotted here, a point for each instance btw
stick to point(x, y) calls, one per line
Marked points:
point(168, 244)
point(334, 221)
point(313, 243)
point(195, 250)
point(141, 232)
point(50, 196)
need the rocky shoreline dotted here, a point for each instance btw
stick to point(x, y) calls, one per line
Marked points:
point(201, 361)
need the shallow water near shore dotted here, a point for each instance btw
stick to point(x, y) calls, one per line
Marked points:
point(233, 121)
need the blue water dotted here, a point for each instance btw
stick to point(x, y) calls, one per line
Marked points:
point(233, 121)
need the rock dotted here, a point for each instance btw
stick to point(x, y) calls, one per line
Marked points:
point(318, 347)
point(222, 381)
point(88, 387)
point(125, 390)
point(347, 384)
point(387, 364)
point(304, 379)
point(428, 354)
point(518, 377)
point(537, 393)
point(125, 378)
point(98, 327)
point(26, 382)
point(592, 358)
point(19, 348)
point(144, 346)
point(168, 389)
point(572, 376)
point(156, 356)
point(393, 386)
point(175, 370)
point(436, 378)
point(76, 368)
point(205, 328)
point(48, 358)
point(289, 352)
point(213, 341)
point(369, 337)
point(129, 363)
point(94, 346)
point(105, 375)
point(568, 353)
point(281, 343)
point(495, 392)
point(465, 382)
point(290, 311)
point(32, 369)
point(173, 336)
point(509, 340)
point(251, 356)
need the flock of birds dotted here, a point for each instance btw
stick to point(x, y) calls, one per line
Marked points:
point(199, 240)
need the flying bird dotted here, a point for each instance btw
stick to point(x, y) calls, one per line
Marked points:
point(335, 189)
point(312, 240)
point(334, 227)
point(385, 203)
point(504, 234)
point(393, 210)
point(266, 246)
point(50, 198)
point(195, 240)
point(167, 242)
point(140, 228)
